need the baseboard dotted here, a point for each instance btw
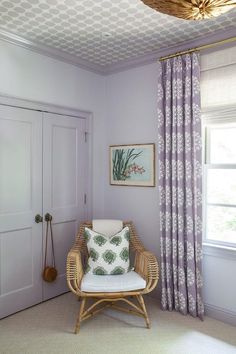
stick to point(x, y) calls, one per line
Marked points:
point(221, 314)
point(216, 312)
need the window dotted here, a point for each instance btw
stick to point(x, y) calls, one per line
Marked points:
point(220, 183)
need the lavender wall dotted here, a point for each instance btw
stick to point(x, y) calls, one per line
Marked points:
point(131, 118)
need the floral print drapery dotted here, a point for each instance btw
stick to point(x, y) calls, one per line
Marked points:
point(180, 184)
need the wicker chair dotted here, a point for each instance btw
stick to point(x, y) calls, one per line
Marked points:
point(145, 264)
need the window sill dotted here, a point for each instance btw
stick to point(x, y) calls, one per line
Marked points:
point(219, 251)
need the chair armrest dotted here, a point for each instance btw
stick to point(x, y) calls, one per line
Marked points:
point(146, 266)
point(74, 270)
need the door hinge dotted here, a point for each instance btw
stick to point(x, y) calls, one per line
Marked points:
point(85, 198)
point(86, 136)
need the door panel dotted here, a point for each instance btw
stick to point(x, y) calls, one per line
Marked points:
point(64, 168)
point(20, 201)
point(15, 157)
point(19, 244)
point(64, 160)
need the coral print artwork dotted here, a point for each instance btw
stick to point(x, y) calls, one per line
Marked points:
point(132, 165)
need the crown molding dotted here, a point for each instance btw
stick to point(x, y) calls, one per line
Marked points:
point(50, 52)
point(155, 55)
point(123, 65)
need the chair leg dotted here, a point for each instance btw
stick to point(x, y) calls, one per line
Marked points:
point(142, 304)
point(79, 318)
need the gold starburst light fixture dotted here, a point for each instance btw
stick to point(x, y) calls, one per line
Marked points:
point(192, 9)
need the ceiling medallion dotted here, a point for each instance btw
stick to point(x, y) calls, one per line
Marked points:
point(192, 9)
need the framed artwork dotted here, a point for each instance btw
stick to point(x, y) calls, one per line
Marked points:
point(132, 165)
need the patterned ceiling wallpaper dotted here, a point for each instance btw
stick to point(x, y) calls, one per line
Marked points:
point(102, 32)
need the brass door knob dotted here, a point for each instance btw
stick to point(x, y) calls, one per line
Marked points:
point(48, 217)
point(38, 218)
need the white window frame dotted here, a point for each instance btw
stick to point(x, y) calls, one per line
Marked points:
point(214, 118)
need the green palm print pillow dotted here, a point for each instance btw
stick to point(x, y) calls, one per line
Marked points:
point(107, 255)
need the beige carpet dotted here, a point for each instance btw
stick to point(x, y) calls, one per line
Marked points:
point(48, 328)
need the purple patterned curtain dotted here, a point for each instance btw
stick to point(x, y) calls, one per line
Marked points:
point(180, 184)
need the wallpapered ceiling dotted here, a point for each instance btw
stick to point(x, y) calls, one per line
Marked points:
point(102, 32)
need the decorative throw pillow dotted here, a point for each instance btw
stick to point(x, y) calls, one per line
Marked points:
point(107, 255)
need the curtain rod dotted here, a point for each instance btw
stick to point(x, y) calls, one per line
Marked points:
point(228, 40)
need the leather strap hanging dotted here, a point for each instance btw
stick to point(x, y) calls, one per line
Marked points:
point(49, 272)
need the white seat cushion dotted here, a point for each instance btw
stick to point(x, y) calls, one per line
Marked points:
point(112, 283)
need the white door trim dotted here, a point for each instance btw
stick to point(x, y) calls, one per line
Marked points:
point(15, 101)
point(42, 106)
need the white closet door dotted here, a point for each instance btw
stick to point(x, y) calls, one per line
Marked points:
point(20, 201)
point(64, 169)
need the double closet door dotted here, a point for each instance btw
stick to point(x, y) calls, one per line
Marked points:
point(43, 164)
